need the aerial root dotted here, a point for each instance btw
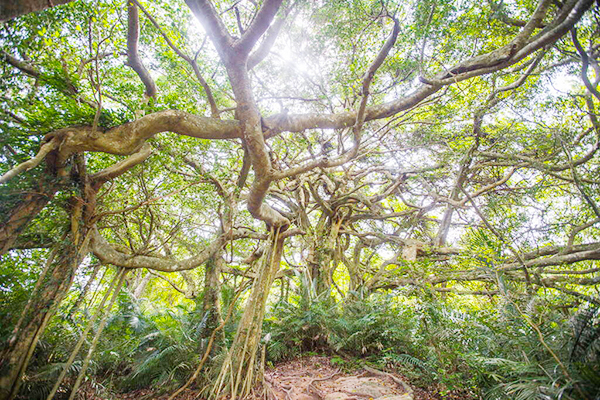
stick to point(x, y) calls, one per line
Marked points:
point(31, 163)
point(238, 373)
point(209, 346)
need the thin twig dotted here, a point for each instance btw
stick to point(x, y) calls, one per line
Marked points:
point(501, 237)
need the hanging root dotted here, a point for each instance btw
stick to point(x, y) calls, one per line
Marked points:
point(209, 346)
point(83, 336)
point(122, 273)
point(238, 372)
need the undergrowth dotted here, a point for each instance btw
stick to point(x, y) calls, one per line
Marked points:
point(493, 351)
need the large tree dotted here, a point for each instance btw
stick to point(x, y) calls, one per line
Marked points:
point(408, 143)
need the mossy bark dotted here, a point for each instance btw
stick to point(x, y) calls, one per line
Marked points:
point(53, 284)
point(26, 207)
point(322, 256)
point(238, 373)
point(211, 309)
point(42, 305)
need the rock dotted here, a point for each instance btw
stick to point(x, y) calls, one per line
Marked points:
point(337, 396)
point(404, 396)
point(366, 387)
point(305, 397)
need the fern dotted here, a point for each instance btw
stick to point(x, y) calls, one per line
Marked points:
point(410, 360)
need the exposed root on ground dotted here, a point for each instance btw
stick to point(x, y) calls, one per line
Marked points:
point(315, 378)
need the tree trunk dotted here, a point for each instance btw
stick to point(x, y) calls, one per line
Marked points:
point(322, 256)
point(24, 211)
point(53, 285)
point(14, 8)
point(42, 305)
point(237, 376)
point(211, 307)
point(320, 265)
point(140, 285)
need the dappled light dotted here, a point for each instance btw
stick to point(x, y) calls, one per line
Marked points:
point(299, 200)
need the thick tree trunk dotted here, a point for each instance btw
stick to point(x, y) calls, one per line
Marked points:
point(53, 285)
point(320, 261)
point(42, 305)
point(322, 256)
point(211, 305)
point(238, 373)
point(10, 9)
point(24, 211)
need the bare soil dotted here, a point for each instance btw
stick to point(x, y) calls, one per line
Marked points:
point(313, 378)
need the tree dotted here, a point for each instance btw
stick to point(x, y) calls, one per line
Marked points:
point(396, 119)
point(14, 9)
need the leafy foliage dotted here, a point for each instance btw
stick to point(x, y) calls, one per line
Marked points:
point(456, 240)
point(431, 342)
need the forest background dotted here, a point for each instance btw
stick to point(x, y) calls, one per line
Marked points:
point(187, 186)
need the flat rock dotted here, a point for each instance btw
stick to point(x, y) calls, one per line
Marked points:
point(337, 396)
point(404, 396)
point(367, 387)
point(305, 397)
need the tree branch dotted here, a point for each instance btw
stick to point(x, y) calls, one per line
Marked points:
point(265, 47)
point(16, 8)
point(122, 166)
point(585, 61)
point(133, 58)
point(208, 17)
point(128, 138)
point(257, 28)
point(31, 163)
point(108, 254)
point(207, 90)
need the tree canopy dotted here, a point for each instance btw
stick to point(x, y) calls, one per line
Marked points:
point(351, 149)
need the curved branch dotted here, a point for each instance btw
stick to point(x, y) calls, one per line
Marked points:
point(583, 253)
point(207, 90)
point(128, 138)
point(258, 27)
point(122, 166)
point(108, 254)
point(31, 163)
point(360, 114)
point(498, 59)
point(585, 61)
point(133, 58)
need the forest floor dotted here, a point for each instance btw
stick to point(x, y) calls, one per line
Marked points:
point(318, 378)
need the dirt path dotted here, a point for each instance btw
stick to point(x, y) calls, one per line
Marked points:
point(315, 378)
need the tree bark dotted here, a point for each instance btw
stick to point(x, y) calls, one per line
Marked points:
point(322, 255)
point(237, 376)
point(53, 285)
point(42, 305)
point(211, 307)
point(29, 205)
point(140, 285)
point(14, 8)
